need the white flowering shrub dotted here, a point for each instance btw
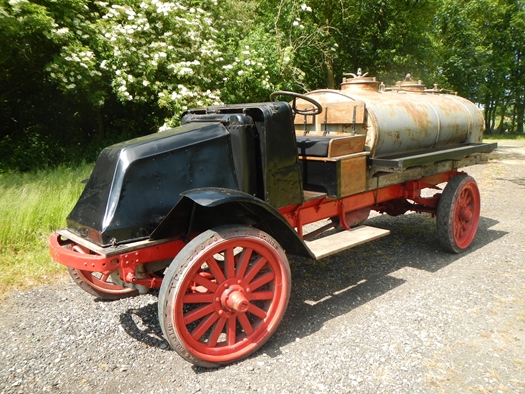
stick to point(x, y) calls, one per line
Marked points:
point(164, 52)
point(95, 72)
point(149, 52)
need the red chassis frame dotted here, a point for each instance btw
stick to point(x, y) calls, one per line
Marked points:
point(79, 257)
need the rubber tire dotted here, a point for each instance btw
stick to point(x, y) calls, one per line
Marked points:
point(181, 266)
point(447, 215)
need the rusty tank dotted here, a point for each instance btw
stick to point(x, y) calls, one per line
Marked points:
point(402, 119)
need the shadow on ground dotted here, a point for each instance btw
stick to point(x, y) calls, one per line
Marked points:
point(334, 286)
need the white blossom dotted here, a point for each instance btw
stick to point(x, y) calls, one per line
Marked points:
point(62, 31)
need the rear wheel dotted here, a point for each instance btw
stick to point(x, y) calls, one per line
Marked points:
point(458, 214)
point(224, 295)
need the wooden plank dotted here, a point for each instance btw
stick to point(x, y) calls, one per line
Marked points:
point(343, 113)
point(343, 240)
point(299, 119)
point(346, 145)
point(352, 176)
point(335, 113)
point(309, 195)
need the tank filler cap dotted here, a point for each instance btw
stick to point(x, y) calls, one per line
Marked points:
point(409, 85)
point(359, 81)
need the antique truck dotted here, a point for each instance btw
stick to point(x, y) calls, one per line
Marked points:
point(207, 212)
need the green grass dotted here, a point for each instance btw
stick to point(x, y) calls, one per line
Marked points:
point(32, 205)
point(504, 136)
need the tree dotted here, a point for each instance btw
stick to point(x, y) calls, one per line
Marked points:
point(482, 57)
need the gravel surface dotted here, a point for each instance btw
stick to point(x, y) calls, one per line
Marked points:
point(393, 316)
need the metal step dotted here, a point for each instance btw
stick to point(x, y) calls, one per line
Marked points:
point(343, 240)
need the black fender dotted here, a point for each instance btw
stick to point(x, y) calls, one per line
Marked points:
point(202, 209)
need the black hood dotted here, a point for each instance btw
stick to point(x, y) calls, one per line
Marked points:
point(135, 184)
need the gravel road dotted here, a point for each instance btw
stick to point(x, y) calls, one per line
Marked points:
point(394, 316)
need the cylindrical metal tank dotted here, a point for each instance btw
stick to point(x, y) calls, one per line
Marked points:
point(407, 118)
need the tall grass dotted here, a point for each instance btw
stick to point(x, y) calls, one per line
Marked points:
point(32, 205)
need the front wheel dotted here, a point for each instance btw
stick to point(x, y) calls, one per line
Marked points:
point(458, 214)
point(224, 295)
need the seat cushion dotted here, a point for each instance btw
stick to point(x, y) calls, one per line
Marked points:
point(313, 146)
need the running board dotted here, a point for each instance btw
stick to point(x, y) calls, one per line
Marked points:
point(343, 240)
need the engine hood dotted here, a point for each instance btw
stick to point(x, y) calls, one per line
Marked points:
point(135, 184)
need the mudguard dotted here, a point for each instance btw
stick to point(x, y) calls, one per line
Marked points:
point(201, 209)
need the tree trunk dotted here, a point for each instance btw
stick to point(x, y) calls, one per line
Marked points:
point(502, 119)
point(330, 77)
point(489, 115)
point(520, 113)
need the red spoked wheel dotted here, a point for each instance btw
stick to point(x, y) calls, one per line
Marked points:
point(224, 295)
point(458, 213)
point(105, 285)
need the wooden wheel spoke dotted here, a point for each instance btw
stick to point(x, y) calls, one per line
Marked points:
point(217, 331)
point(260, 295)
point(255, 268)
point(215, 270)
point(208, 284)
point(203, 326)
point(231, 331)
point(229, 262)
point(262, 280)
point(245, 324)
point(198, 313)
point(465, 200)
point(255, 310)
point(244, 259)
point(198, 298)
point(459, 230)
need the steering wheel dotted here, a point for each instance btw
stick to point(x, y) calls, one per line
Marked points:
point(314, 111)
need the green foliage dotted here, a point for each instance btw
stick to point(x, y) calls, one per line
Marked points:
point(481, 54)
point(32, 205)
point(390, 38)
point(78, 73)
point(504, 136)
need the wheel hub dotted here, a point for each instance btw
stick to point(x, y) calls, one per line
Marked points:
point(231, 298)
point(466, 214)
point(236, 301)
